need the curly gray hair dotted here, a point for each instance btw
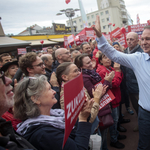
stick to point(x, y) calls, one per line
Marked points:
point(24, 107)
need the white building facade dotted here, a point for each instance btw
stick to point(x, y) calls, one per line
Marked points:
point(110, 11)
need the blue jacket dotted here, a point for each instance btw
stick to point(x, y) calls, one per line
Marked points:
point(131, 81)
point(47, 137)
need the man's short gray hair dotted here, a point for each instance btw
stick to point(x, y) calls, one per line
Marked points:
point(44, 57)
point(24, 107)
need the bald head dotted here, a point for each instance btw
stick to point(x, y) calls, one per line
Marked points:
point(62, 55)
point(48, 60)
point(132, 40)
point(59, 51)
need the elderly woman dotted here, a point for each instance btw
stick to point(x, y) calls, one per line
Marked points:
point(42, 126)
point(10, 69)
point(68, 71)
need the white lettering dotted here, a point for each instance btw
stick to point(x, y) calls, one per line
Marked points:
point(69, 113)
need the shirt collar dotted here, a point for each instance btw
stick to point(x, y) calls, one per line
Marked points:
point(147, 57)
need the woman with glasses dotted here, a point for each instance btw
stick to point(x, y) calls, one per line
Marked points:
point(42, 126)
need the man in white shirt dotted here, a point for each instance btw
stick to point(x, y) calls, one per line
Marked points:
point(140, 64)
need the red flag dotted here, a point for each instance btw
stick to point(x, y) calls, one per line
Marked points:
point(138, 19)
point(67, 1)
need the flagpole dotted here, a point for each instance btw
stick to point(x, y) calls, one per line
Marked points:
point(83, 15)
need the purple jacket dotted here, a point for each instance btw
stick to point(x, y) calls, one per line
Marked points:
point(89, 83)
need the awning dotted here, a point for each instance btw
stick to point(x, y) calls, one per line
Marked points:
point(57, 40)
point(37, 42)
point(7, 42)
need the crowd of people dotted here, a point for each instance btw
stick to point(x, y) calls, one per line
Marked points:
point(32, 93)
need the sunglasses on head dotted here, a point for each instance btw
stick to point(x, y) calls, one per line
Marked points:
point(2, 76)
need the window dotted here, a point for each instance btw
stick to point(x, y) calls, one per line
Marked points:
point(92, 16)
point(89, 24)
point(107, 19)
point(97, 14)
point(93, 22)
point(79, 20)
point(103, 20)
point(80, 26)
point(74, 23)
point(88, 17)
point(106, 12)
point(104, 27)
point(101, 13)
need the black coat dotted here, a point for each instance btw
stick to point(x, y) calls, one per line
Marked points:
point(47, 137)
point(10, 140)
point(131, 81)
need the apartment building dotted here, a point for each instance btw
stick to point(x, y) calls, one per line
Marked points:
point(110, 11)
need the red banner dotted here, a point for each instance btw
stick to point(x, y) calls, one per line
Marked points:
point(74, 99)
point(107, 98)
point(70, 38)
point(21, 51)
point(116, 33)
point(137, 27)
point(122, 41)
point(65, 41)
point(83, 38)
point(90, 34)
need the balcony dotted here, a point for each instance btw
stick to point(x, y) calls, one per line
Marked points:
point(122, 4)
point(124, 18)
point(123, 10)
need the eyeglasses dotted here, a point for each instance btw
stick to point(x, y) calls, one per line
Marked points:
point(2, 76)
point(39, 65)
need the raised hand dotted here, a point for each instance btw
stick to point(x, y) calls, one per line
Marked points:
point(15, 83)
point(53, 80)
point(117, 67)
point(98, 54)
point(98, 93)
point(109, 76)
point(104, 89)
point(97, 27)
point(86, 110)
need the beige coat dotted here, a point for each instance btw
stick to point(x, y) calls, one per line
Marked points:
point(95, 108)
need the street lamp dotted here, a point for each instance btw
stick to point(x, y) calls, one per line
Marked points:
point(69, 12)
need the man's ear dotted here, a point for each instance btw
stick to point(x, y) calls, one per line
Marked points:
point(59, 57)
point(34, 100)
point(30, 70)
point(64, 77)
point(45, 62)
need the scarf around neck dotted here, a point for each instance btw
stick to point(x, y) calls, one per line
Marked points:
point(92, 73)
point(133, 50)
point(56, 119)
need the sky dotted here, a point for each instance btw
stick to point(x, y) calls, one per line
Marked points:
point(17, 15)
